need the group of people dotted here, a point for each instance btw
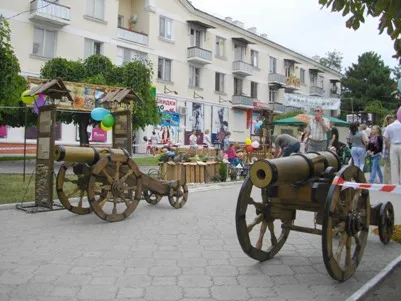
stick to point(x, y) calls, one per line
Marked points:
point(374, 143)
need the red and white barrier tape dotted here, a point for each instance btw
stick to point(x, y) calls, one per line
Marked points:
point(373, 187)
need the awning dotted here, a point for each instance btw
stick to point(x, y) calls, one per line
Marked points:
point(242, 40)
point(316, 70)
point(292, 61)
point(200, 23)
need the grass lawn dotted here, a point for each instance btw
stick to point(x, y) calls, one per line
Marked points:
point(13, 187)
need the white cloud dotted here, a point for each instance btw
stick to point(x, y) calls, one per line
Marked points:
point(304, 27)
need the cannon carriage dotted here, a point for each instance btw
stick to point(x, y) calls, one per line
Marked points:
point(276, 189)
point(109, 183)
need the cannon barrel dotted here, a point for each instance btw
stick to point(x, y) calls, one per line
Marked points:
point(89, 155)
point(294, 169)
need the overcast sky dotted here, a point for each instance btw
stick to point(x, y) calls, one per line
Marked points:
point(303, 26)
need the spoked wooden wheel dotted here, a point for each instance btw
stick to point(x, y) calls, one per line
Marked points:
point(151, 197)
point(260, 231)
point(345, 228)
point(120, 178)
point(178, 196)
point(72, 188)
point(386, 222)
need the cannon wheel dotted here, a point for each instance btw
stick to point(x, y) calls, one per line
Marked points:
point(263, 217)
point(122, 199)
point(346, 218)
point(386, 222)
point(178, 196)
point(67, 196)
point(151, 197)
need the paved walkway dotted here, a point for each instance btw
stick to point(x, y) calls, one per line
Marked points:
point(160, 253)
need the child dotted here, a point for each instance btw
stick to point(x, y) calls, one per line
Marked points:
point(231, 153)
point(148, 146)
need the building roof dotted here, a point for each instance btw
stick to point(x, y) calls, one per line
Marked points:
point(257, 37)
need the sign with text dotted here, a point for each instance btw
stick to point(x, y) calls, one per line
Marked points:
point(166, 104)
point(309, 102)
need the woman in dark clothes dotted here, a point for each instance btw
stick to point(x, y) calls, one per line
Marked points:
point(375, 148)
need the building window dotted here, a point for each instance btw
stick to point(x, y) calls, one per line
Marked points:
point(254, 90)
point(196, 38)
point(237, 86)
point(239, 52)
point(289, 69)
point(255, 58)
point(125, 55)
point(164, 69)
point(273, 65)
point(220, 47)
point(273, 95)
point(44, 43)
point(219, 82)
point(313, 79)
point(120, 21)
point(194, 76)
point(92, 47)
point(95, 9)
point(302, 76)
point(321, 81)
point(165, 28)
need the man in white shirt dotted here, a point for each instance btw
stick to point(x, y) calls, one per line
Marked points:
point(392, 139)
point(316, 130)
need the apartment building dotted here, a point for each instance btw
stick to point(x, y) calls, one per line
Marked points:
point(210, 73)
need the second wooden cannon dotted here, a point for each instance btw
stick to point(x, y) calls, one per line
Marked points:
point(109, 183)
point(305, 183)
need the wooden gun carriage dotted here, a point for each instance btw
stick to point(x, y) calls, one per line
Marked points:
point(112, 182)
point(305, 182)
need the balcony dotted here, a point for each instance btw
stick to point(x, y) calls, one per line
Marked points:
point(242, 101)
point(199, 56)
point(316, 91)
point(47, 11)
point(279, 108)
point(335, 93)
point(241, 68)
point(132, 36)
point(293, 83)
point(276, 79)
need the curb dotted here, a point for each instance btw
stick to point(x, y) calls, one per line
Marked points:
point(372, 283)
point(191, 187)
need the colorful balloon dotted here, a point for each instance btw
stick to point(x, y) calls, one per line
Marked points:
point(28, 99)
point(108, 120)
point(260, 122)
point(99, 113)
point(249, 149)
point(255, 144)
point(257, 126)
point(104, 128)
point(248, 141)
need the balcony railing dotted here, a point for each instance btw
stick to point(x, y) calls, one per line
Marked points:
point(132, 36)
point(316, 90)
point(293, 82)
point(199, 55)
point(335, 93)
point(242, 101)
point(280, 108)
point(275, 78)
point(242, 68)
point(52, 12)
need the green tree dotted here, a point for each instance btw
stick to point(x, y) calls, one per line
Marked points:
point(11, 83)
point(389, 12)
point(366, 81)
point(333, 60)
point(376, 107)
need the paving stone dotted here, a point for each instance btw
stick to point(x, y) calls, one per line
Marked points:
point(277, 280)
point(72, 280)
point(261, 292)
point(294, 292)
point(276, 270)
point(229, 293)
point(197, 292)
point(134, 281)
point(11, 278)
point(193, 271)
point(103, 280)
point(65, 291)
point(255, 280)
point(164, 271)
point(225, 280)
point(81, 270)
point(98, 292)
point(194, 281)
point(129, 293)
point(221, 271)
point(164, 280)
point(163, 293)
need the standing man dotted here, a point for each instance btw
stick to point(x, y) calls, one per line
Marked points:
point(392, 139)
point(386, 152)
point(316, 130)
point(334, 136)
point(286, 145)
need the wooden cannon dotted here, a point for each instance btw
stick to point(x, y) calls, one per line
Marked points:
point(305, 182)
point(108, 182)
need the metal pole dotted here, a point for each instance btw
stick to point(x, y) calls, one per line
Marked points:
point(352, 108)
point(26, 121)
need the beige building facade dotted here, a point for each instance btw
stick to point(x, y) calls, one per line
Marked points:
point(211, 73)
